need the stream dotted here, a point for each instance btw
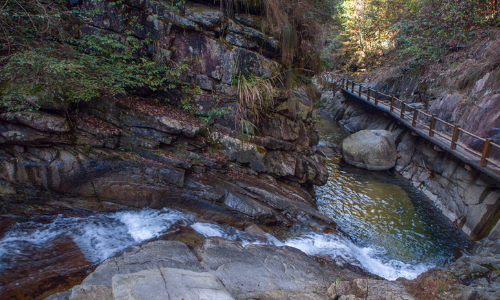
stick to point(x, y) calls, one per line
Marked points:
point(393, 232)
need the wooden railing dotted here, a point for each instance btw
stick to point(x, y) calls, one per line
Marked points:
point(450, 134)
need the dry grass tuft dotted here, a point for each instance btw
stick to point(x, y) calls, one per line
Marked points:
point(255, 97)
point(432, 286)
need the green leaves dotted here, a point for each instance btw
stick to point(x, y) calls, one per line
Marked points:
point(103, 64)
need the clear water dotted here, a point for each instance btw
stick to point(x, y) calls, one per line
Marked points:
point(383, 212)
point(393, 230)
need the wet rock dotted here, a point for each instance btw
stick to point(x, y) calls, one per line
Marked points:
point(168, 283)
point(175, 177)
point(296, 211)
point(251, 207)
point(374, 150)
point(38, 120)
point(59, 264)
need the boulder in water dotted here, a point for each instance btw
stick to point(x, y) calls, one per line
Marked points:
point(374, 150)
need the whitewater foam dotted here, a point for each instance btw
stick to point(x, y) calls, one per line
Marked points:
point(101, 236)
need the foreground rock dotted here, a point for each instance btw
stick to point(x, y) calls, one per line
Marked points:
point(373, 150)
point(368, 289)
point(168, 283)
point(217, 269)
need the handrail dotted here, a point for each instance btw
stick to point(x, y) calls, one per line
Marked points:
point(410, 113)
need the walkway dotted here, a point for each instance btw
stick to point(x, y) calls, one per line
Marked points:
point(446, 136)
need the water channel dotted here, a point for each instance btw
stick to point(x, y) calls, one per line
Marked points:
point(392, 229)
point(385, 215)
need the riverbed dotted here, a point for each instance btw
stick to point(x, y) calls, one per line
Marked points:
point(391, 230)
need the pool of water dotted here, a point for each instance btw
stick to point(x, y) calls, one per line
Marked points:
point(382, 211)
point(391, 229)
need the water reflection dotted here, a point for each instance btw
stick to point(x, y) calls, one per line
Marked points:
point(381, 209)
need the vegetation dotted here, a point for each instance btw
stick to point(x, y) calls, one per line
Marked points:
point(44, 57)
point(58, 74)
point(298, 24)
point(422, 30)
point(255, 96)
point(433, 285)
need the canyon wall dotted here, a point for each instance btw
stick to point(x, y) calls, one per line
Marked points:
point(146, 150)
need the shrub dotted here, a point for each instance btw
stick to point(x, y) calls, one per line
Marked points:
point(57, 74)
point(43, 59)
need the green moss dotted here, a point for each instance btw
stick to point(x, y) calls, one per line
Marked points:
point(261, 149)
point(204, 132)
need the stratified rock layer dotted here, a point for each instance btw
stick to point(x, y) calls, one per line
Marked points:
point(143, 150)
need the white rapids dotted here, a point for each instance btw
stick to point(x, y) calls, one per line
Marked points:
point(100, 236)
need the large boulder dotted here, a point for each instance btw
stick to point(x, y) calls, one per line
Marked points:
point(374, 150)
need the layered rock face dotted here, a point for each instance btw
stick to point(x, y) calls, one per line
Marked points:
point(467, 197)
point(135, 151)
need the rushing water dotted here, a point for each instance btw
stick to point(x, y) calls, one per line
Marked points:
point(393, 230)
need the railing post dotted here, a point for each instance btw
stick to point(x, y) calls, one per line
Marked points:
point(454, 138)
point(414, 121)
point(376, 97)
point(392, 104)
point(431, 126)
point(352, 87)
point(359, 91)
point(486, 153)
point(343, 82)
point(402, 109)
point(368, 95)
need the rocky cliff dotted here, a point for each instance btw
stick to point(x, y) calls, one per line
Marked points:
point(145, 150)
